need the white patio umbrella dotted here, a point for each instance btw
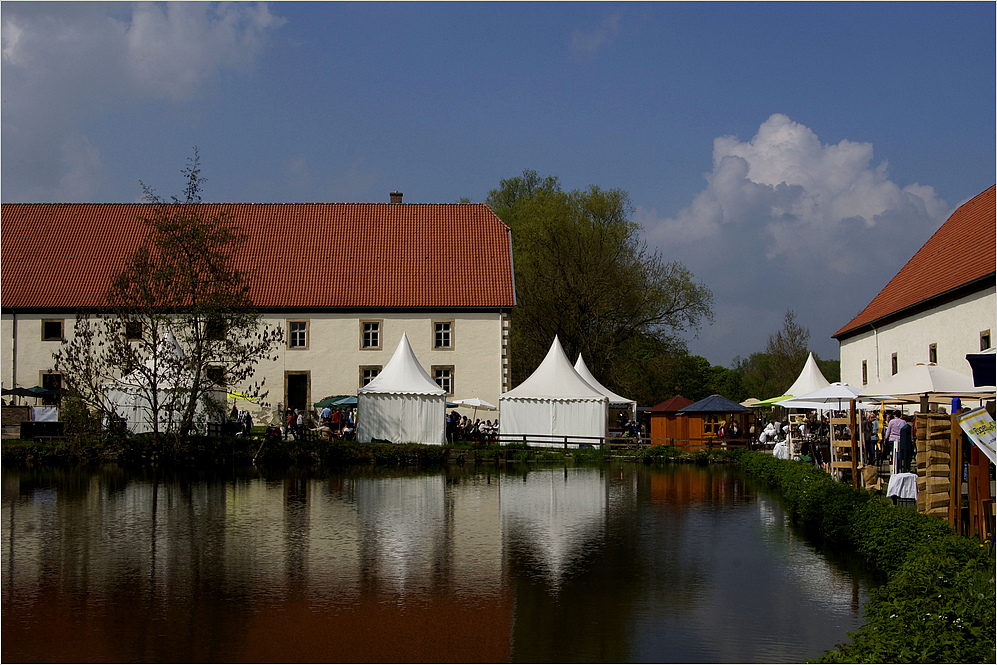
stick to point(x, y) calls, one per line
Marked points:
point(476, 403)
point(837, 393)
point(925, 381)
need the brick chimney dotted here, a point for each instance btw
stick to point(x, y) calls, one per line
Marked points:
point(396, 197)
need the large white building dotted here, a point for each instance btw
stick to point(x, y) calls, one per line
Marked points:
point(343, 280)
point(941, 306)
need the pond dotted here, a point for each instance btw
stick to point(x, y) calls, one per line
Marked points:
point(600, 563)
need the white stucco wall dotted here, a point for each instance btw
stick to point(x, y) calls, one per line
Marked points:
point(954, 327)
point(332, 358)
point(34, 355)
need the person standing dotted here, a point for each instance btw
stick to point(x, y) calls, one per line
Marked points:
point(892, 436)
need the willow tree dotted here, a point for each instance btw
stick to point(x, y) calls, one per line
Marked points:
point(583, 273)
point(180, 319)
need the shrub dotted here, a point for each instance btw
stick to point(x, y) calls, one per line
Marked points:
point(938, 603)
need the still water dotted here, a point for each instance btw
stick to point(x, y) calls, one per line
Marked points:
point(607, 563)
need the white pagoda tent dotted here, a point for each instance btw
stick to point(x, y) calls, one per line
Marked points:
point(810, 379)
point(402, 404)
point(615, 401)
point(554, 401)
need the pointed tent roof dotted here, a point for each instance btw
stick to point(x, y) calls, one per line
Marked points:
point(583, 371)
point(673, 404)
point(403, 374)
point(555, 378)
point(809, 380)
point(716, 404)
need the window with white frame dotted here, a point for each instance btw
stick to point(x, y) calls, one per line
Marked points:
point(443, 375)
point(370, 334)
point(443, 334)
point(368, 373)
point(297, 334)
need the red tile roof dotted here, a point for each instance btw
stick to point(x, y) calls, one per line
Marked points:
point(961, 252)
point(298, 255)
point(672, 404)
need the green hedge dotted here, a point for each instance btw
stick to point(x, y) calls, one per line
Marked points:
point(938, 604)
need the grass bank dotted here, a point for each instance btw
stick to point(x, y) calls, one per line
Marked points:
point(215, 451)
point(938, 604)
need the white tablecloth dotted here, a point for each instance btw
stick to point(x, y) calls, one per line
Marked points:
point(903, 485)
point(781, 450)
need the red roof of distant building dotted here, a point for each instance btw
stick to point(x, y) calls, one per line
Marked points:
point(297, 255)
point(676, 403)
point(961, 252)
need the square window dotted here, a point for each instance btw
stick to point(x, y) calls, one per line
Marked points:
point(370, 334)
point(444, 378)
point(52, 330)
point(216, 374)
point(443, 334)
point(297, 334)
point(368, 373)
point(133, 330)
point(215, 328)
point(52, 381)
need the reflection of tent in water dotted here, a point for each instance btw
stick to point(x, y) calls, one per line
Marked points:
point(402, 404)
point(131, 396)
point(554, 515)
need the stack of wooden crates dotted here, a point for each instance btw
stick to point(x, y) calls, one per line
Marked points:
point(934, 464)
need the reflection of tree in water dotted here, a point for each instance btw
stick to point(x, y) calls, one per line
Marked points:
point(112, 579)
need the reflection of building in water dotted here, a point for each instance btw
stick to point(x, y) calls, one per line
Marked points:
point(553, 515)
point(681, 487)
point(429, 559)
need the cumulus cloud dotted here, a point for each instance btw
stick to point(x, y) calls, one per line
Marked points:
point(787, 222)
point(64, 63)
point(590, 43)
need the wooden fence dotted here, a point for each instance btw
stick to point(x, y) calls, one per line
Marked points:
point(617, 442)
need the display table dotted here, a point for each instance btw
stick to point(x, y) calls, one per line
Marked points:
point(902, 486)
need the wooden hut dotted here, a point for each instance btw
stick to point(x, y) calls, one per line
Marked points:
point(703, 419)
point(664, 423)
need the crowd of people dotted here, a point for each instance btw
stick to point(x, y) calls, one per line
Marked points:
point(814, 432)
point(462, 428)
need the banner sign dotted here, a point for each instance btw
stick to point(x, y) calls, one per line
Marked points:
point(980, 427)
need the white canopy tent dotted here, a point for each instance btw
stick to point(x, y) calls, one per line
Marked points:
point(554, 401)
point(402, 404)
point(615, 401)
point(131, 396)
point(809, 380)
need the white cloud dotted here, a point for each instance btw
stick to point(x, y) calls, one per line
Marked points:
point(793, 192)
point(786, 222)
point(64, 63)
point(590, 43)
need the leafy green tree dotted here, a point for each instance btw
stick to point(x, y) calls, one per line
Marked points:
point(771, 373)
point(583, 273)
point(181, 320)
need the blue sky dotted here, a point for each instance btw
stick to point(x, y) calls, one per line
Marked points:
point(793, 156)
